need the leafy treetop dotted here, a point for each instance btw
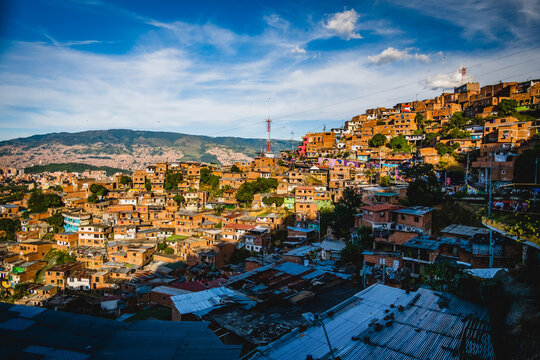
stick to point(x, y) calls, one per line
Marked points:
point(377, 140)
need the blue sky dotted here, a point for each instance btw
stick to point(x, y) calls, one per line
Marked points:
point(220, 68)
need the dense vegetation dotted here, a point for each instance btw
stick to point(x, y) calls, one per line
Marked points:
point(209, 179)
point(172, 180)
point(377, 140)
point(526, 164)
point(71, 167)
point(53, 257)
point(126, 180)
point(56, 221)
point(261, 185)
point(40, 202)
point(10, 227)
point(18, 292)
point(179, 199)
point(12, 193)
point(341, 217)
point(98, 192)
point(424, 189)
point(399, 143)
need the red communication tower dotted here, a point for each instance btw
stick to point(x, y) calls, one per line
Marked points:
point(268, 122)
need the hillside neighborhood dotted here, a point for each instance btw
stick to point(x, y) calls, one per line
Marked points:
point(419, 221)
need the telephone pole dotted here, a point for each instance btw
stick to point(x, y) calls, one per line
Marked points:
point(467, 173)
point(535, 178)
point(491, 241)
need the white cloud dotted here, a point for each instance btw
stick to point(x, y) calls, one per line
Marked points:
point(194, 35)
point(298, 50)
point(379, 27)
point(167, 83)
point(390, 54)
point(343, 24)
point(277, 21)
point(446, 81)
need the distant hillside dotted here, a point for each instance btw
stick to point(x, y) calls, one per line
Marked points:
point(71, 167)
point(129, 149)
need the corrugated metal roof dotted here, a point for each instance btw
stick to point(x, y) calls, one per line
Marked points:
point(485, 273)
point(202, 301)
point(292, 268)
point(463, 230)
point(302, 250)
point(415, 210)
point(169, 290)
point(60, 335)
point(429, 326)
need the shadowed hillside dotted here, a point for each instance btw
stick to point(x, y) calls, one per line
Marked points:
point(129, 149)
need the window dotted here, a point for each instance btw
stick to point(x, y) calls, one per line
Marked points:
point(382, 214)
point(402, 217)
point(503, 172)
point(416, 219)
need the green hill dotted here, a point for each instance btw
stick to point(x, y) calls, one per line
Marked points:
point(129, 149)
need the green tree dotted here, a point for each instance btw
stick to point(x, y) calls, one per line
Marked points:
point(205, 175)
point(239, 255)
point(235, 169)
point(526, 164)
point(444, 149)
point(92, 198)
point(419, 121)
point(39, 202)
point(19, 291)
point(278, 200)
point(261, 185)
point(125, 180)
point(341, 217)
point(447, 277)
point(377, 140)
point(424, 189)
point(56, 221)
point(385, 181)
point(429, 139)
point(99, 190)
point(161, 246)
point(11, 227)
point(507, 106)
point(350, 253)
point(365, 236)
point(219, 209)
point(172, 180)
point(207, 178)
point(424, 193)
point(179, 199)
point(399, 143)
point(168, 250)
point(452, 212)
point(148, 185)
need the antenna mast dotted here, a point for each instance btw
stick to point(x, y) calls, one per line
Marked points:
point(463, 71)
point(268, 122)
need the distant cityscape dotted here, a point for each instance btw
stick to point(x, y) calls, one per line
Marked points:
point(410, 232)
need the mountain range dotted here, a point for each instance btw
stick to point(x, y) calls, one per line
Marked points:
point(129, 149)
